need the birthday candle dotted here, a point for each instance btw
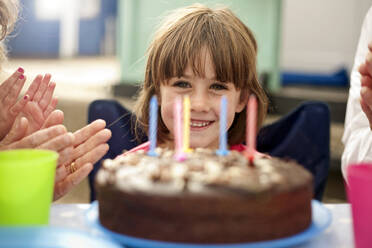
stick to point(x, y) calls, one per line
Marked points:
point(251, 128)
point(177, 114)
point(153, 125)
point(222, 151)
point(186, 123)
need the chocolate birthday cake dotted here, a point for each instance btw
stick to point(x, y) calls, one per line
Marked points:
point(205, 199)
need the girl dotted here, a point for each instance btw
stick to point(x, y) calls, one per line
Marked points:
point(204, 53)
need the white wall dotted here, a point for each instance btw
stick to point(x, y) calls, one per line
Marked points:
point(321, 35)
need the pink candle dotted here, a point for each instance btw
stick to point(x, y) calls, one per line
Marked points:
point(251, 128)
point(178, 130)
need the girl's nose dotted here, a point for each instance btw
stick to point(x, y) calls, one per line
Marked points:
point(199, 102)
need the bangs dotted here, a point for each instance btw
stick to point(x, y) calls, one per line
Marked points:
point(185, 42)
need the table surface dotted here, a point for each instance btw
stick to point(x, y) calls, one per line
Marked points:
point(338, 234)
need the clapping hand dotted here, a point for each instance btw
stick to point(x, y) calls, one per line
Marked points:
point(35, 124)
point(41, 103)
point(9, 106)
point(365, 70)
point(77, 152)
point(36, 105)
point(88, 147)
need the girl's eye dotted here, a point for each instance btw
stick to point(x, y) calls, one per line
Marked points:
point(218, 86)
point(181, 84)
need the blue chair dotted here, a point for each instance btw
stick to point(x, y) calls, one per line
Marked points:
point(121, 122)
point(302, 135)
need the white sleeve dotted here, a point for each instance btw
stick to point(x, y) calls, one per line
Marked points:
point(357, 136)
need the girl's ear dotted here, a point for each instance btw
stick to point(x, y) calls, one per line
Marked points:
point(241, 105)
point(242, 102)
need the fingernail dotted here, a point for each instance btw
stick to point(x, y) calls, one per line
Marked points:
point(21, 76)
point(71, 136)
point(25, 97)
point(20, 69)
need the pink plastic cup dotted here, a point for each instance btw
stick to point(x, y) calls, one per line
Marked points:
point(359, 192)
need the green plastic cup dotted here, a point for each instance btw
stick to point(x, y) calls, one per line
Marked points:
point(26, 186)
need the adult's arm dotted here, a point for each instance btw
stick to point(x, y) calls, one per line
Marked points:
point(357, 137)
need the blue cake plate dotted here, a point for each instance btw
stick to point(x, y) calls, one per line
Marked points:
point(321, 219)
point(51, 237)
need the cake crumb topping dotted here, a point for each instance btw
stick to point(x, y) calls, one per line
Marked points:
point(202, 171)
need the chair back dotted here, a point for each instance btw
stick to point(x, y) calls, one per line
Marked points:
point(302, 135)
point(121, 123)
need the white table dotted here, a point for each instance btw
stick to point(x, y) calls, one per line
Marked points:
point(339, 233)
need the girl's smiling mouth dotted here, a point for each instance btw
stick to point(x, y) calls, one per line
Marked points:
point(200, 124)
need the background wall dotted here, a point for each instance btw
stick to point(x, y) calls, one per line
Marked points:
point(316, 36)
point(64, 28)
point(320, 35)
point(138, 20)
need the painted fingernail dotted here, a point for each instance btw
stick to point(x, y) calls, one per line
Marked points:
point(20, 69)
point(21, 76)
point(25, 97)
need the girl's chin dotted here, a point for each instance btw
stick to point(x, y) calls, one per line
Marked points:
point(194, 145)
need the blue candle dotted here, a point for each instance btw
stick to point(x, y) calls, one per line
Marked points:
point(222, 151)
point(153, 125)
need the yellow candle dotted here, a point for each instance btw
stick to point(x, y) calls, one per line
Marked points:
point(186, 124)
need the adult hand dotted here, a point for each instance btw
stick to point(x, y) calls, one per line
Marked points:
point(89, 146)
point(40, 93)
point(20, 127)
point(41, 103)
point(365, 70)
point(82, 149)
point(54, 138)
point(9, 106)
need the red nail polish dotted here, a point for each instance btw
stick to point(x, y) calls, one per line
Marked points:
point(21, 77)
point(20, 69)
point(25, 97)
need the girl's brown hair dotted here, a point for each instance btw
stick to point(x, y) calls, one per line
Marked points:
point(8, 17)
point(179, 42)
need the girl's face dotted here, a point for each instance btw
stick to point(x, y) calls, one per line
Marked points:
point(205, 97)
